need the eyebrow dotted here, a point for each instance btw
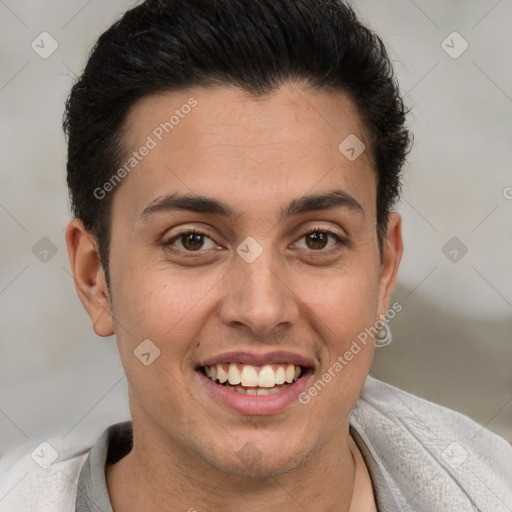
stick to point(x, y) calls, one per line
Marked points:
point(202, 204)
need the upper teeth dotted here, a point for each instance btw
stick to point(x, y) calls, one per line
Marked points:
point(246, 375)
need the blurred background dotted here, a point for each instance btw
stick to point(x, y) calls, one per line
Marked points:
point(452, 340)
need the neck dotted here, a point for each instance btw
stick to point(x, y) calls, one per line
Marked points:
point(156, 473)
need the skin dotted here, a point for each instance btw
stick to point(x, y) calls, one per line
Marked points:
point(257, 155)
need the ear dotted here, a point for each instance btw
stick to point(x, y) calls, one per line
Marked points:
point(89, 277)
point(390, 261)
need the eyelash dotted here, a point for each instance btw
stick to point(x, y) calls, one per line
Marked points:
point(340, 241)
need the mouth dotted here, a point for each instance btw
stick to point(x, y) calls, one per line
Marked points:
point(254, 380)
point(256, 384)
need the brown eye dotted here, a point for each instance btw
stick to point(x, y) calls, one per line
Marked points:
point(321, 241)
point(191, 241)
point(317, 240)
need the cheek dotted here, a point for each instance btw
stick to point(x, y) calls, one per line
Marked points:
point(165, 306)
point(345, 308)
point(345, 303)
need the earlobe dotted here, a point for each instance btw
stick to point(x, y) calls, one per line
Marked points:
point(391, 257)
point(89, 277)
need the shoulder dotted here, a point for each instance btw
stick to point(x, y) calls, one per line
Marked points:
point(431, 454)
point(42, 475)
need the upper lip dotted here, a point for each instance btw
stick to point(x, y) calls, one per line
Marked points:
point(259, 359)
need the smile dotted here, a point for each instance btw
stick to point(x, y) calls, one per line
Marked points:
point(256, 383)
point(254, 380)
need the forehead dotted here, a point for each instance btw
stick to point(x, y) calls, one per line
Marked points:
point(255, 152)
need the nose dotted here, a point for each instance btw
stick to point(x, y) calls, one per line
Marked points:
point(258, 297)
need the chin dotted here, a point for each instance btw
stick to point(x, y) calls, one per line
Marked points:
point(265, 456)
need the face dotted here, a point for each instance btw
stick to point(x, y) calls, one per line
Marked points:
point(244, 247)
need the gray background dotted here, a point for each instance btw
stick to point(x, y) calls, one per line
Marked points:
point(452, 341)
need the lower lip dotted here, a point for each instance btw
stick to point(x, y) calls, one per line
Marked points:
point(254, 404)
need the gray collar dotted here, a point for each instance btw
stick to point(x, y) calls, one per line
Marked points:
point(116, 442)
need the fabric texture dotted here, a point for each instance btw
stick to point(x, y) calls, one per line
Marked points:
point(421, 457)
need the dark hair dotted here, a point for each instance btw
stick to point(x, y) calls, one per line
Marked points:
point(258, 45)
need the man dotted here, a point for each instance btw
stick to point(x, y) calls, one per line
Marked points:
point(232, 168)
